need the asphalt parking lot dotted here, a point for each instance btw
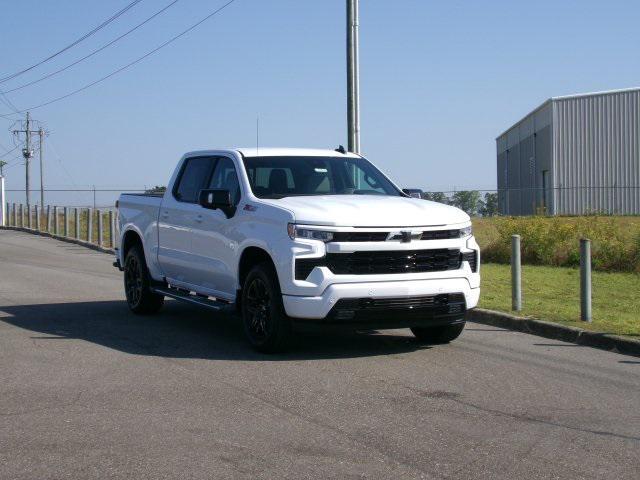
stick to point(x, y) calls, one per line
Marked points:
point(89, 390)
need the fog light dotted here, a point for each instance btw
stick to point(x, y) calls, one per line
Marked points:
point(345, 314)
point(455, 308)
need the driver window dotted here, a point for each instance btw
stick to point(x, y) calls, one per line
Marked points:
point(226, 178)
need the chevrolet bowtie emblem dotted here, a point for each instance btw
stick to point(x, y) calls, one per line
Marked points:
point(404, 236)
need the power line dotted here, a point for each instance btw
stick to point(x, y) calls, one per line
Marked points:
point(84, 37)
point(9, 151)
point(115, 72)
point(95, 51)
point(55, 152)
point(7, 116)
point(8, 102)
point(16, 161)
point(14, 164)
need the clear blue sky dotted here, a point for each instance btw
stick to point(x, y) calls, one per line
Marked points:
point(440, 80)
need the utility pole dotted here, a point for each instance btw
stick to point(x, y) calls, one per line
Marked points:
point(41, 134)
point(2, 164)
point(353, 77)
point(27, 153)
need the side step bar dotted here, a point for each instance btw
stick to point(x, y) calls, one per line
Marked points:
point(184, 296)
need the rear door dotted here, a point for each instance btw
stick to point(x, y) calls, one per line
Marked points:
point(215, 237)
point(178, 214)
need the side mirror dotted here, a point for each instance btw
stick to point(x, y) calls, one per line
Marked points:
point(413, 192)
point(217, 199)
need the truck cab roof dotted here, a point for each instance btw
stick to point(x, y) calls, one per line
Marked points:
point(275, 152)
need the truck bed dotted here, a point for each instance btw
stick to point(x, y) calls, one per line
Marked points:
point(141, 210)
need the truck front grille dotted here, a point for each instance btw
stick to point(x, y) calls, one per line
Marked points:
point(383, 262)
point(382, 236)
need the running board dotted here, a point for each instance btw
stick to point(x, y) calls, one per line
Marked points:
point(186, 297)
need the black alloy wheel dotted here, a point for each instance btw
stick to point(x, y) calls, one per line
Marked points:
point(137, 284)
point(266, 325)
point(258, 308)
point(133, 280)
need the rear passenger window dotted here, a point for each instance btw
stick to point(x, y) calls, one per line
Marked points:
point(194, 177)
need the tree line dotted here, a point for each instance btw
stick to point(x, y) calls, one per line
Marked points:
point(471, 201)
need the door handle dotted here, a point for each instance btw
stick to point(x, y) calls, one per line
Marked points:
point(165, 214)
point(198, 218)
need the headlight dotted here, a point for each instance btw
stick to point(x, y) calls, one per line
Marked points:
point(296, 231)
point(466, 232)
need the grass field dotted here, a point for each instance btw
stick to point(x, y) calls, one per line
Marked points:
point(553, 294)
point(486, 228)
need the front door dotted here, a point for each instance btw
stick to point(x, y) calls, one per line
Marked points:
point(177, 216)
point(545, 192)
point(215, 238)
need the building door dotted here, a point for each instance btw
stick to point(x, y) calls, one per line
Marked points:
point(545, 192)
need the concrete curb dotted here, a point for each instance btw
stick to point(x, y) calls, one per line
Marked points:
point(83, 243)
point(604, 341)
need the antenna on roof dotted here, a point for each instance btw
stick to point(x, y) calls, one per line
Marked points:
point(341, 149)
point(257, 135)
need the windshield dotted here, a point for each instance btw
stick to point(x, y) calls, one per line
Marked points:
point(278, 177)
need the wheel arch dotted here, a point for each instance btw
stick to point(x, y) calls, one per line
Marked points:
point(250, 257)
point(129, 239)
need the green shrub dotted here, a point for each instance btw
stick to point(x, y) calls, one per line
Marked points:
point(555, 241)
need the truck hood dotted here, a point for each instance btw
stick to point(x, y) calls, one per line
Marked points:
point(369, 211)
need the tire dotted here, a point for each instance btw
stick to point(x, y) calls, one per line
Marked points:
point(137, 282)
point(266, 325)
point(438, 335)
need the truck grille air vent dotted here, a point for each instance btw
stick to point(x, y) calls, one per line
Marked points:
point(398, 308)
point(440, 234)
point(383, 262)
point(472, 258)
point(360, 236)
point(425, 301)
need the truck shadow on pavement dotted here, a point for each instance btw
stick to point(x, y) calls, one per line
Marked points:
point(182, 331)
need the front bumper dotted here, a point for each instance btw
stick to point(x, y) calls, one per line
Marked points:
point(324, 307)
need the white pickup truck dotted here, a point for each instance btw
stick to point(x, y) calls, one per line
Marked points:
point(296, 237)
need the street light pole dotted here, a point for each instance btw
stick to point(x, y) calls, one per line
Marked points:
point(353, 77)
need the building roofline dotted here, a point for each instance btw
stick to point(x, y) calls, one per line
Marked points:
point(596, 94)
point(543, 104)
point(567, 97)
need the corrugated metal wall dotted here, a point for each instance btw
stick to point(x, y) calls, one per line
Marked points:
point(524, 153)
point(596, 150)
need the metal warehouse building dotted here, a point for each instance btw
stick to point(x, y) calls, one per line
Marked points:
point(573, 155)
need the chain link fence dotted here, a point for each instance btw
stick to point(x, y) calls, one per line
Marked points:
point(83, 197)
point(94, 226)
point(618, 200)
